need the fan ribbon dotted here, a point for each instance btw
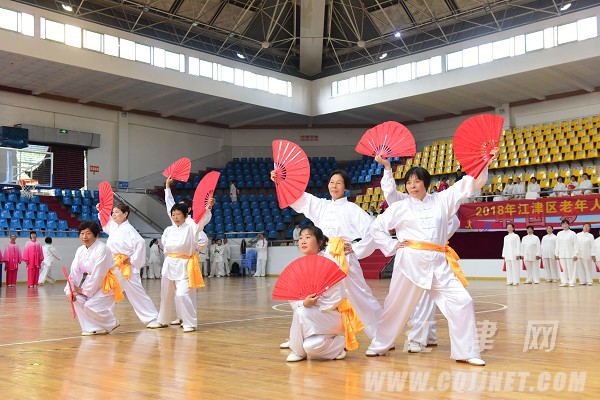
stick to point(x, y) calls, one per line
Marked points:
point(120, 262)
point(193, 269)
point(112, 282)
point(451, 257)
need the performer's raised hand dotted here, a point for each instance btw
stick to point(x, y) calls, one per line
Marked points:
point(273, 175)
point(383, 161)
point(168, 182)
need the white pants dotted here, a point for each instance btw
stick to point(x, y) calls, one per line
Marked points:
point(551, 266)
point(45, 273)
point(567, 276)
point(204, 267)
point(154, 270)
point(137, 296)
point(218, 269)
point(533, 271)
point(227, 266)
point(422, 321)
point(185, 303)
point(261, 267)
point(453, 301)
point(513, 268)
point(317, 334)
point(96, 313)
point(584, 269)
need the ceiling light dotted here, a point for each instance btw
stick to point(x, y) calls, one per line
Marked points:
point(67, 7)
point(240, 55)
point(384, 55)
point(361, 44)
point(194, 23)
point(397, 34)
point(565, 7)
point(487, 8)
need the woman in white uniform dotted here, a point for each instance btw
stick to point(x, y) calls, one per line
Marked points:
point(585, 256)
point(261, 255)
point(548, 255)
point(532, 254)
point(50, 257)
point(511, 253)
point(155, 260)
point(566, 254)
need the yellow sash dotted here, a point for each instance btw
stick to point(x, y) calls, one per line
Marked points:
point(451, 257)
point(193, 269)
point(112, 282)
point(352, 324)
point(120, 262)
point(336, 249)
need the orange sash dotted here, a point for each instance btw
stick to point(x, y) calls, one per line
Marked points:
point(193, 269)
point(336, 249)
point(451, 257)
point(112, 282)
point(120, 262)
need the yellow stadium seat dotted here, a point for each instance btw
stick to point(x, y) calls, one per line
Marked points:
point(536, 160)
point(582, 133)
point(514, 162)
point(563, 142)
point(398, 175)
point(365, 206)
point(551, 143)
point(593, 153)
point(369, 191)
point(546, 158)
point(366, 198)
point(595, 179)
point(359, 199)
point(569, 156)
point(585, 120)
point(543, 151)
point(549, 136)
point(378, 190)
point(544, 184)
point(577, 147)
point(374, 197)
point(495, 164)
point(448, 169)
point(580, 155)
point(591, 169)
point(504, 164)
point(558, 136)
point(533, 153)
point(577, 171)
point(531, 146)
point(523, 153)
point(524, 161)
point(374, 204)
point(557, 157)
point(565, 172)
point(596, 137)
point(554, 150)
point(521, 147)
point(541, 174)
point(595, 118)
point(497, 178)
point(570, 135)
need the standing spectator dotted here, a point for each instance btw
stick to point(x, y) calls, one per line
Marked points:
point(586, 184)
point(50, 256)
point(227, 256)
point(560, 189)
point(566, 254)
point(548, 258)
point(154, 260)
point(585, 255)
point(233, 192)
point(572, 187)
point(533, 189)
point(33, 255)
point(443, 185)
point(12, 258)
point(296, 233)
point(216, 257)
point(511, 252)
point(508, 191)
point(531, 253)
point(261, 259)
point(498, 196)
point(519, 189)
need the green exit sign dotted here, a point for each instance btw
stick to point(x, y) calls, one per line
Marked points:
point(64, 131)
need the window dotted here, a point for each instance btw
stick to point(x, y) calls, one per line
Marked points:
point(9, 20)
point(111, 45)
point(249, 80)
point(371, 80)
point(519, 45)
point(501, 49)
point(404, 73)
point(421, 68)
point(127, 49)
point(158, 59)
point(206, 69)
point(343, 87)
point(435, 65)
point(73, 36)
point(334, 88)
point(454, 60)
point(92, 41)
point(567, 33)
point(389, 76)
point(172, 60)
point(534, 41)
point(239, 77)
point(143, 53)
point(549, 37)
point(53, 30)
point(486, 53)
point(226, 74)
point(587, 28)
point(193, 66)
point(470, 57)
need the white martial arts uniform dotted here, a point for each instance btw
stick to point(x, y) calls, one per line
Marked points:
point(511, 251)
point(585, 251)
point(124, 239)
point(154, 262)
point(261, 257)
point(218, 269)
point(533, 191)
point(347, 221)
point(50, 256)
point(548, 247)
point(94, 308)
point(318, 331)
point(203, 262)
point(586, 187)
point(532, 253)
point(227, 258)
point(572, 188)
point(519, 190)
point(185, 240)
point(418, 270)
point(508, 191)
point(559, 190)
point(566, 249)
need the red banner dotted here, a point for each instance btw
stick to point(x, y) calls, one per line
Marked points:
point(493, 216)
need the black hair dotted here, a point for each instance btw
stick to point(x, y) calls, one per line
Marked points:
point(91, 225)
point(588, 224)
point(560, 177)
point(533, 178)
point(511, 224)
point(155, 240)
point(181, 207)
point(318, 234)
point(48, 240)
point(187, 201)
point(565, 221)
point(421, 173)
point(585, 174)
point(124, 209)
point(550, 226)
point(31, 233)
point(344, 176)
point(530, 226)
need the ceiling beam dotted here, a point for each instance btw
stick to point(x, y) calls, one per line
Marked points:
point(256, 119)
point(53, 84)
point(435, 104)
point(223, 113)
point(397, 111)
point(149, 99)
point(187, 106)
point(312, 24)
point(96, 95)
point(358, 117)
point(569, 78)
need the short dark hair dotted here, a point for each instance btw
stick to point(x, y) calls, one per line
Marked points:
point(585, 174)
point(421, 173)
point(180, 207)
point(48, 240)
point(530, 226)
point(561, 178)
point(565, 221)
point(511, 224)
point(124, 209)
point(153, 241)
point(573, 176)
point(588, 224)
point(318, 234)
point(344, 176)
point(32, 233)
point(533, 179)
point(91, 225)
point(550, 226)
point(187, 201)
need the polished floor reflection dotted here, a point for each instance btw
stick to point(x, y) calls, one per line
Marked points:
point(541, 342)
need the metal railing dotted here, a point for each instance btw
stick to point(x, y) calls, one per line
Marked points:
point(138, 213)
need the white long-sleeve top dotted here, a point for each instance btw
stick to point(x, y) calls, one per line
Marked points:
point(530, 247)
point(217, 255)
point(549, 246)
point(95, 261)
point(597, 248)
point(571, 187)
point(512, 247)
point(124, 239)
point(534, 187)
point(424, 220)
point(226, 251)
point(585, 245)
point(519, 189)
point(560, 189)
point(388, 186)
point(154, 255)
point(585, 187)
point(566, 244)
point(50, 254)
point(508, 191)
point(261, 249)
point(338, 218)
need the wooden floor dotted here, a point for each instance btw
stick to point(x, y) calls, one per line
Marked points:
point(235, 354)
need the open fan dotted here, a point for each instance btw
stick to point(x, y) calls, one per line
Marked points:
point(203, 193)
point(292, 169)
point(390, 139)
point(106, 202)
point(473, 141)
point(70, 290)
point(179, 170)
point(307, 275)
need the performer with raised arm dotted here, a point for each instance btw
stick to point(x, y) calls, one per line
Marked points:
point(129, 252)
point(96, 288)
point(343, 222)
point(426, 263)
point(50, 256)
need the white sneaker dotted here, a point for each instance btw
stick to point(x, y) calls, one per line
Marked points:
point(156, 325)
point(590, 283)
point(562, 285)
point(572, 285)
point(341, 356)
point(515, 284)
point(293, 357)
point(371, 353)
point(188, 329)
point(93, 333)
point(431, 342)
point(285, 345)
point(414, 347)
point(176, 322)
point(554, 280)
point(478, 362)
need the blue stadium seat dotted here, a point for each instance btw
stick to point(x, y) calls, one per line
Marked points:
point(12, 197)
point(52, 215)
point(290, 234)
point(5, 214)
point(86, 216)
point(68, 193)
point(3, 224)
point(15, 223)
point(18, 214)
point(30, 214)
point(27, 225)
point(43, 207)
point(31, 207)
point(40, 225)
point(42, 215)
point(51, 224)
point(77, 201)
point(272, 235)
point(280, 226)
point(9, 206)
point(76, 209)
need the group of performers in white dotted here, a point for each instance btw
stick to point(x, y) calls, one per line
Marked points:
point(567, 255)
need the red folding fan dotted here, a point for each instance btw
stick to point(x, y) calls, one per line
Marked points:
point(203, 193)
point(307, 275)
point(541, 264)
point(596, 264)
point(292, 169)
point(473, 141)
point(106, 202)
point(523, 267)
point(390, 139)
point(179, 170)
point(70, 290)
point(504, 267)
